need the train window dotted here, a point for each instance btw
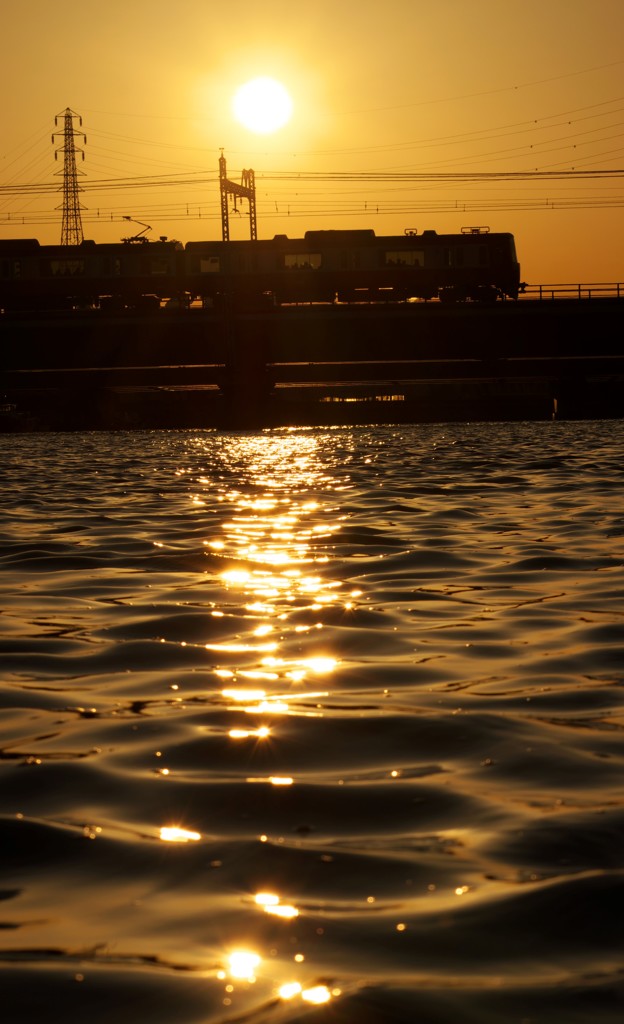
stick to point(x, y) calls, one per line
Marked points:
point(470, 256)
point(62, 268)
point(209, 265)
point(159, 266)
point(302, 260)
point(405, 258)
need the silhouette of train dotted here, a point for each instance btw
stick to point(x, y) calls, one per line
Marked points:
point(323, 266)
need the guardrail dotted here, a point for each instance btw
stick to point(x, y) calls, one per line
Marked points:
point(598, 290)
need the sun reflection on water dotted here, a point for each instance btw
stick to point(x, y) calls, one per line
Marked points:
point(256, 702)
point(316, 995)
point(242, 734)
point(272, 535)
point(271, 904)
point(242, 965)
point(289, 990)
point(174, 834)
point(269, 542)
point(245, 966)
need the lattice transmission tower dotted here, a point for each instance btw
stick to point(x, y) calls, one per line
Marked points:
point(71, 229)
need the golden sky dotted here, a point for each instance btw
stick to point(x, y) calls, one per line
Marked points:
point(401, 87)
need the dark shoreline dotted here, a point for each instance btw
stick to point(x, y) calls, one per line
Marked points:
point(313, 365)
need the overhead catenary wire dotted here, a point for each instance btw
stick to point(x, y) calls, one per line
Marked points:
point(184, 190)
point(162, 181)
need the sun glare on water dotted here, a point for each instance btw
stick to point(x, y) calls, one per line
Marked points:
point(262, 105)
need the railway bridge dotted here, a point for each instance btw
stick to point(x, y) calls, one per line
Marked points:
point(556, 352)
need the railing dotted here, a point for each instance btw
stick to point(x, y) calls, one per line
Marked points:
point(544, 292)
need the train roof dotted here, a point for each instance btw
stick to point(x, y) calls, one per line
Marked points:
point(17, 246)
point(332, 236)
point(321, 238)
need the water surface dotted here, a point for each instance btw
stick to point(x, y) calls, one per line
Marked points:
point(313, 724)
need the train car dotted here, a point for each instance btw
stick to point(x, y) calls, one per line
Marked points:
point(120, 275)
point(240, 272)
point(269, 271)
point(473, 265)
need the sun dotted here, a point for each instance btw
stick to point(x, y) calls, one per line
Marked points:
point(262, 105)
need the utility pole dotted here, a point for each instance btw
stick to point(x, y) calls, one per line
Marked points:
point(246, 190)
point(71, 230)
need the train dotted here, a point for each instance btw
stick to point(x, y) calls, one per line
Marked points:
point(324, 266)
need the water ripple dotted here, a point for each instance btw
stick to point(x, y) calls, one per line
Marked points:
point(313, 724)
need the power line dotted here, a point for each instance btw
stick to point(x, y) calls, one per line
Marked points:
point(333, 177)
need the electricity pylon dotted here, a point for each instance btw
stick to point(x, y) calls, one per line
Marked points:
point(71, 230)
